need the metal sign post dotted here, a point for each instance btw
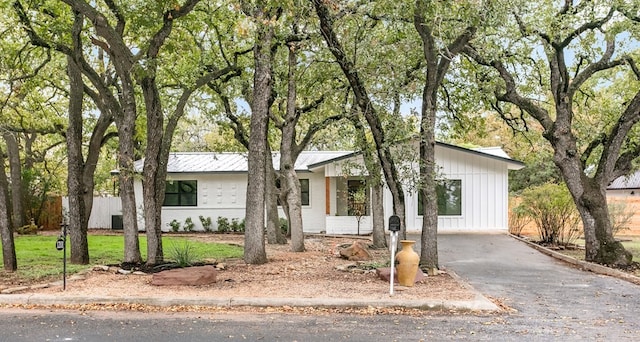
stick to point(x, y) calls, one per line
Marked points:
point(61, 245)
point(394, 227)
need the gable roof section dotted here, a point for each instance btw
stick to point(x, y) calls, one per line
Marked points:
point(487, 152)
point(496, 153)
point(626, 182)
point(214, 162)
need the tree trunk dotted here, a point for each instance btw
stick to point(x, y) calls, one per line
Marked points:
point(377, 214)
point(153, 180)
point(254, 246)
point(15, 174)
point(126, 132)
point(591, 202)
point(429, 236)
point(377, 190)
point(294, 204)
point(288, 156)
point(75, 169)
point(274, 233)
point(6, 226)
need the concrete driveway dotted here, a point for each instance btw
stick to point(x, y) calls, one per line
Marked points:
point(546, 293)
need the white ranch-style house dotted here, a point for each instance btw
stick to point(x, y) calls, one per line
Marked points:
point(472, 195)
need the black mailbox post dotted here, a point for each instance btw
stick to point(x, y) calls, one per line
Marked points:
point(394, 228)
point(394, 223)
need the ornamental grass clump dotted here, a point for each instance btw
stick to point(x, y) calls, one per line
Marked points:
point(183, 254)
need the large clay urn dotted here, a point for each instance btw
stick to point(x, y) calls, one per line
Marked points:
point(408, 261)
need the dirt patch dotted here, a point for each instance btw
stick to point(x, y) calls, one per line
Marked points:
point(318, 272)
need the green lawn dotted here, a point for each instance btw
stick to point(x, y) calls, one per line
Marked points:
point(39, 259)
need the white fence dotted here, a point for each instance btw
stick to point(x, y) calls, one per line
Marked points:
point(106, 213)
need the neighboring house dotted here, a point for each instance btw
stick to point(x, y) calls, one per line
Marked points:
point(625, 186)
point(473, 192)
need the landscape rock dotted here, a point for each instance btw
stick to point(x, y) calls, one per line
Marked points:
point(356, 252)
point(190, 276)
point(384, 273)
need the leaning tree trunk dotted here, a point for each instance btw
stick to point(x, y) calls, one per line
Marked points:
point(6, 231)
point(367, 108)
point(591, 201)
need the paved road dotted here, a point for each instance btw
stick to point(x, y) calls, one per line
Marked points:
point(553, 302)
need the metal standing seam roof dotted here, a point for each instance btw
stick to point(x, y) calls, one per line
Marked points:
point(626, 182)
point(211, 162)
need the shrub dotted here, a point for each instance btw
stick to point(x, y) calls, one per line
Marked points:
point(206, 223)
point(223, 224)
point(552, 209)
point(620, 215)
point(183, 254)
point(518, 218)
point(237, 225)
point(284, 226)
point(175, 225)
point(188, 225)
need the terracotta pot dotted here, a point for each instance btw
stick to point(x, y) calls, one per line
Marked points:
point(408, 261)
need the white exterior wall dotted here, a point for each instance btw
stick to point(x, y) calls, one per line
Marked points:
point(224, 195)
point(313, 215)
point(484, 193)
point(103, 209)
point(221, 195)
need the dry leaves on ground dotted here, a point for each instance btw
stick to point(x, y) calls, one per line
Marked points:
point(310, 274)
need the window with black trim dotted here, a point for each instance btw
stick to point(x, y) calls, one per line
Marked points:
point(181, 193)
point(304, 191)
point(449, 194)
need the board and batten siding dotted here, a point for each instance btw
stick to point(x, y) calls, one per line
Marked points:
point(484, 194)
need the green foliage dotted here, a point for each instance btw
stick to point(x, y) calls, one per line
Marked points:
point(237, 225)
point(551, 208)
point(206, 223)
point(175, 225)
point(223, 224)
point(183, 253)
point(188, 225)
point(284, 226)
point(38, 259)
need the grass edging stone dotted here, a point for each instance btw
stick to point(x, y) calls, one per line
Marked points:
point(588, 266)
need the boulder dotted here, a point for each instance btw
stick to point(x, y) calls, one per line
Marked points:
point(385, 274)
point(356, 252)
point(190, 276)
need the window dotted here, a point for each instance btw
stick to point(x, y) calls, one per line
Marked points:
point(181, 193)
point(449, 194)
point(358, 198)
point(304, 191)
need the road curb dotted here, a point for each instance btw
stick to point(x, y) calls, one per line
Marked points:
point(480, 303)
point(587, 266)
